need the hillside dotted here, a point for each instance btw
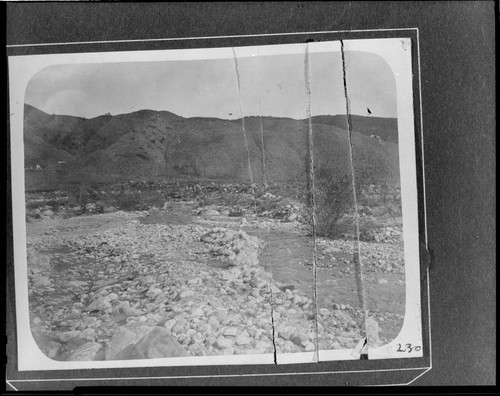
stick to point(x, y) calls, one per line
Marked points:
point(385, 128)
point(149, 144)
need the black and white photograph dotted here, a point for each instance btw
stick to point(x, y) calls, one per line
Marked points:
point(216, 206)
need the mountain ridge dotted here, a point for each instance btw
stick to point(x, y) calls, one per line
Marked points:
point(160, 143)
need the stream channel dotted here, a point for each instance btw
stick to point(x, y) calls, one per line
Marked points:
point(285, 255)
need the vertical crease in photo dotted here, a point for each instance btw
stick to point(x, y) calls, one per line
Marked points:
point(310, 151)
point(242, 117)
point(264, 180)
point(357, 249)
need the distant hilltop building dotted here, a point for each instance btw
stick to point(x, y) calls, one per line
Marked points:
point(379, 139)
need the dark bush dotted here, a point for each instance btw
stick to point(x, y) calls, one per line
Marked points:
point(236, 212)
point(127, 201)
point(35, 204)
point(140, 200)
point(333, 198)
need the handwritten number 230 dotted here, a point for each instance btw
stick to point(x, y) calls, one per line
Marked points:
point(409, 348)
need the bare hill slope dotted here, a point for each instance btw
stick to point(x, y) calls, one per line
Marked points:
point(147, 144)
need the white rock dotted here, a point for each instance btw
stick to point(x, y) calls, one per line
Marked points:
point(210, 212)
point(309, 347)
point(291, 312)
point(100, 304)
point(324, 312)
point(195, 281)
point(88, 333)
point(223, 343)
point(85, 352)
point(157, 343)
point(113, 296)
point(42, 281)
point(186, 294)
point(262, 344)
point(230, 331)
point(169, 324)
point(197, 312)
point(68, 335)
point(243, 340)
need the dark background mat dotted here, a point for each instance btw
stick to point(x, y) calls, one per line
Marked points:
point(457, 47)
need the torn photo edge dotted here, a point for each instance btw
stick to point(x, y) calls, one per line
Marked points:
point(414, 331)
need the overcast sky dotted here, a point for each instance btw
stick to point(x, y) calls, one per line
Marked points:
point(270, 85)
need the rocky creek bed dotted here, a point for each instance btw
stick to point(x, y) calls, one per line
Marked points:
point(122, 286)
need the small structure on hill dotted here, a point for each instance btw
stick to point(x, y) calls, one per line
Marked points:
point(379, 139)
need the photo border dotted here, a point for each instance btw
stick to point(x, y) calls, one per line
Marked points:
point(426, 360)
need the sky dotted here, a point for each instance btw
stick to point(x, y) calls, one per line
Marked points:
point(271, 85)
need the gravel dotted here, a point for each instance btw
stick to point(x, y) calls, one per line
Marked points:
point(118, 290)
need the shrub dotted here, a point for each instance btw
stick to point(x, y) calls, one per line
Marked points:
point(35, 204)
point(333, 197)
point(238, 212)
point(127, 201)
point(140, 200)
point(391, 200)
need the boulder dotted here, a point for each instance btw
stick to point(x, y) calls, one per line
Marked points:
point(309, 347)
point(285, 334)
point(85, 352)
point(223, 343)
point(212, 321)
point(299, 339)
point(324, 312)
point(263, 344)
point(287, 287)
point(247, 256)
point(210, 212)
point(122, 337)
point(49, 345)
point(243, 340)
point(41, 281)
point(288, 346)
point(48, 213)
point(99, 304)
point(68, 335)
point(124, 308)
point(158, 343)
point(196, 311)
point(342, 316)
point(292, 217)
point(186, 294)
point(230, 331)
point(169, 324)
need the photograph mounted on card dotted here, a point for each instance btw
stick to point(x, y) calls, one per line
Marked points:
point(241, 205)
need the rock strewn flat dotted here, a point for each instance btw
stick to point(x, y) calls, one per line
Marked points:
point(107, 293)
